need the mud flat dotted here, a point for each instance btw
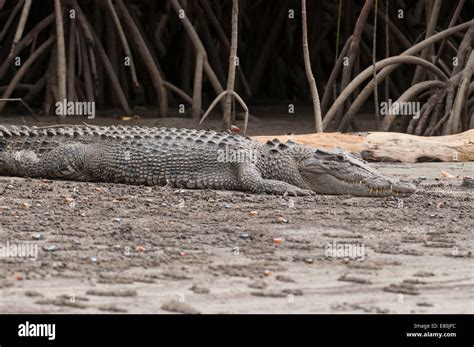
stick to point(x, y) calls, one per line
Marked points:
point(117, 248)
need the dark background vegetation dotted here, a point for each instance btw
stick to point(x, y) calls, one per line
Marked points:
point(271, 68)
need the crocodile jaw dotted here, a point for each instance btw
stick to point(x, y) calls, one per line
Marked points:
point(370, 187)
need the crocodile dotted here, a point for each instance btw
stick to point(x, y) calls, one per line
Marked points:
point(188, 158)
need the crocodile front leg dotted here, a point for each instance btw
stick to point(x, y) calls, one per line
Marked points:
point(251, 180)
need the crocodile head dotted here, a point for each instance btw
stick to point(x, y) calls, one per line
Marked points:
point(339, 172)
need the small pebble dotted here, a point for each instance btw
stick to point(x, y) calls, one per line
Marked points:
point(50, 248)
point(277, 241)
point(258, 284)
point(199, 289)
point(283, 278)
point(244, 236)
point(37, 236)
point(282, 220)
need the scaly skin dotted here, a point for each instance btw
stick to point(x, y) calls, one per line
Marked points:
point(188, 159)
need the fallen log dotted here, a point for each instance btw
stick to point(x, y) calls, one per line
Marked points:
point(390, 146)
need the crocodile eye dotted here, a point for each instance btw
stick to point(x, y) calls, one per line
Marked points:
point(341, 157)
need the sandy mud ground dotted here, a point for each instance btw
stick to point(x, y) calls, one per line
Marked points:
point(117, 248)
